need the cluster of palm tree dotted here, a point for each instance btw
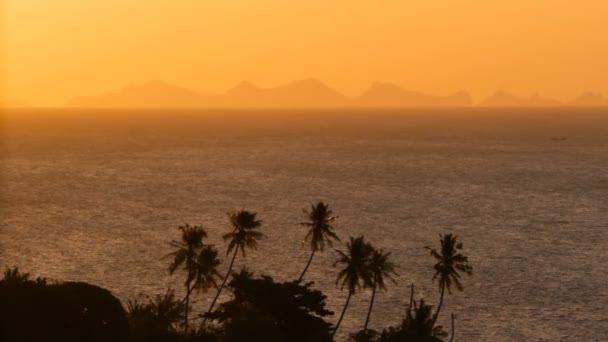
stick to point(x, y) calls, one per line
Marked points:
point(363, 266)
point(200, 262)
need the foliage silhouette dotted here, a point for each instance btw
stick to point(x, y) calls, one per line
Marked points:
point(356, 272)
point(12, 277)
point(155, 320)
point(449, 262)
point(320, 232)
point(380, 268)
point(244, 234)
point(364, 335)
point(67, 312)
point(264, 310)
point(200, 262)
point(418, 326)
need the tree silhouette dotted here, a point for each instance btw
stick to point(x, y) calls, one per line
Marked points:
point(417, 326)
point(155, 319)
point(356, 272)
point(380, 267)
point(244, 234)
point(14, 277)
point(186, 256)
point(449, 262)
point(264, 310)
point(320, 232)
point(41, 310)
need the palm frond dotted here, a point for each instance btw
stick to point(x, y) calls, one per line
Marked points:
point(450, 262)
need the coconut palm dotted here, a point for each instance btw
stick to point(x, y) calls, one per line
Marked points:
point(356, 272)
point(206, 272)
point(320, 232)
point(244, 235)
point(449, 263)
point(185, 256)
point(380, 268)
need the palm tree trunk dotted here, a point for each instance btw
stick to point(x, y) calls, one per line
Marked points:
point(187, 304)
point(371, 305)
point(308, 264)
point(343, 312)
point(223, 283)
point(187, 294)
point(439, 306)
point(452, 337)
point(409, 310)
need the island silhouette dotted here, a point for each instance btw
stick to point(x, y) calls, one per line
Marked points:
point(503, 98)
point(391, 95)
point(312, 93)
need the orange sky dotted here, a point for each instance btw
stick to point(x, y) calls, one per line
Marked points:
point(54, 50)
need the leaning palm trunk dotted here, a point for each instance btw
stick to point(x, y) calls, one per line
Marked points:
point(371, 305)
point(188, 291)
point(439, 306)
point(222, 286)
point(307, 264)
point(343, 312)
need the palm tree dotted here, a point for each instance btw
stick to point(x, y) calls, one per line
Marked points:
point(206, 271)
point(243, 235)
point(356, 272)
point(185, 256)
point(449, 262)
point(320, 232)
point(380, 267)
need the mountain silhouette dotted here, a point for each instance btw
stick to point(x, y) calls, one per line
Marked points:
point(308, 92)
point(245, 90)
point(391, 95)
point(502, 98)
point(590, 99)
point(150, 94)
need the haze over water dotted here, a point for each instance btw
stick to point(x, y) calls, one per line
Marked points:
point(96, 195)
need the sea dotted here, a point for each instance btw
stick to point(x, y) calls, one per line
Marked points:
point(97, 195)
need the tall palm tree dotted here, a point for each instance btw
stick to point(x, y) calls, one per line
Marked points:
point(185, 256)
point(380, 267)
point(449, 262)
point(320, 232)
point(244, 234)
point(356, 272)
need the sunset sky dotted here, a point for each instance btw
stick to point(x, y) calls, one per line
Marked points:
point(55, 50)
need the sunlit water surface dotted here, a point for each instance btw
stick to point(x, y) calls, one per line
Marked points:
point(96, 195)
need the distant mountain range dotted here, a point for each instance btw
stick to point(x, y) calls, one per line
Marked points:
point(390, 95)
point(309, 92)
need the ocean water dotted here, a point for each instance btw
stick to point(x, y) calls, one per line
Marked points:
point(96, 195)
